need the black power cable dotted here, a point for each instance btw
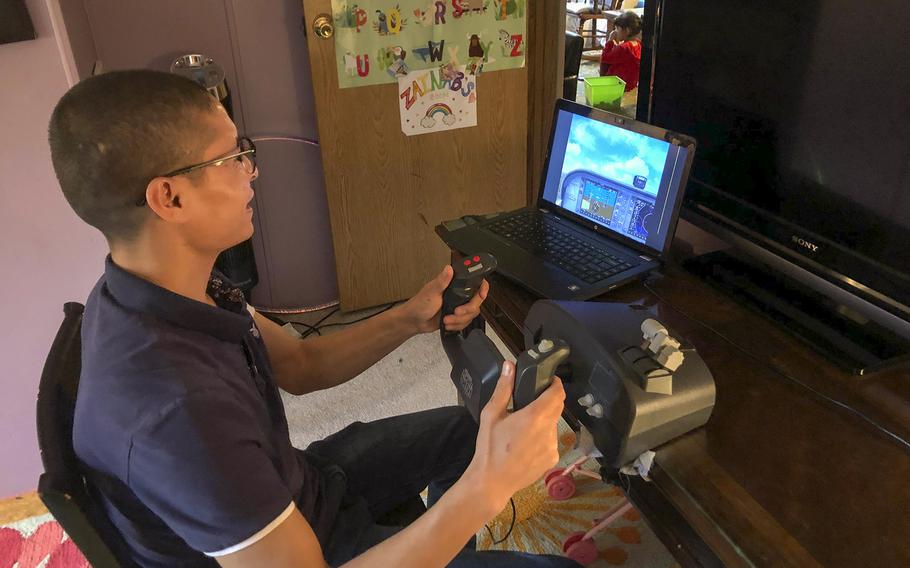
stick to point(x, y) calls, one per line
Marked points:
point(307, 328)
point(511, 526)
point(342, 323)
point(319, 325)
point(315, 327)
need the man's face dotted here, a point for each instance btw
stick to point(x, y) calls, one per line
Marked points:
point(217, 198)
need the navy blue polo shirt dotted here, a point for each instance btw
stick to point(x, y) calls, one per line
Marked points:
point(181, 428)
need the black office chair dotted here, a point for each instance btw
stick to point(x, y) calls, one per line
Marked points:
point(62, 486)
point(574, 47)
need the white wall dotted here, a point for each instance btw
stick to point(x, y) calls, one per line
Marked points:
point(47, 255)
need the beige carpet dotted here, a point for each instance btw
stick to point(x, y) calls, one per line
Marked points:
point(414, 377)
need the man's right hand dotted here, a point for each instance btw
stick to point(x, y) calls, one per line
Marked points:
point(515, 449)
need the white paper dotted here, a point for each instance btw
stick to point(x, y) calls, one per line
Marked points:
point(585, 443)
point(641, 466)
point(438, 99)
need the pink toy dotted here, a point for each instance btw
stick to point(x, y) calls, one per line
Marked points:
point(580, 546)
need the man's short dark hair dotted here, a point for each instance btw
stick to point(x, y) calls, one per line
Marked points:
point(630, 21)
point(111, 134)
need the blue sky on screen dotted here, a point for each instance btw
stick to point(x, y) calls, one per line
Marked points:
point(614, 153)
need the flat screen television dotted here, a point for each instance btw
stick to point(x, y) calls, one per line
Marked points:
point(801, 111)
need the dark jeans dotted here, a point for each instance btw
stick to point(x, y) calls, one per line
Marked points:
point(390, 461)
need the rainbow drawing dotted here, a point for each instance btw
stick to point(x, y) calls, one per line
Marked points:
point(437, 108)
point(448, 117)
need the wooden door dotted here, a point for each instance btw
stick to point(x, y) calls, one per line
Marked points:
point(387, 191)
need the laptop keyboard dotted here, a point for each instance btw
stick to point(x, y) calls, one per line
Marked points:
point(545, 239)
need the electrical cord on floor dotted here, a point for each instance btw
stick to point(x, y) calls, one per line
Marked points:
point(780, 372)
point(358, 320)
point(626, 484)
point(319, 325)
point(315, 326)
point(281, 322)
point(511, 525)
point(307, 328)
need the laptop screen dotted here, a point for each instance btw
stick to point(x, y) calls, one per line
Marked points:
point(624, 181)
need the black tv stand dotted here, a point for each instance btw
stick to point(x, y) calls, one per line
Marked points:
point(861, 347)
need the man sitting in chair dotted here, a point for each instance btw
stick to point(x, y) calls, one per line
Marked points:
point(179, 423)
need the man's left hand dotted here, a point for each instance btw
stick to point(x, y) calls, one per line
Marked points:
point(422, 310)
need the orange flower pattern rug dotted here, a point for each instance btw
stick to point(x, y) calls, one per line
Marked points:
point(542, 524)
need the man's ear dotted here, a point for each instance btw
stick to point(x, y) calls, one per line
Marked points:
point(163, 197)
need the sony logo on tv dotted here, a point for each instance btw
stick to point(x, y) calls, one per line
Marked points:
point(804, 243)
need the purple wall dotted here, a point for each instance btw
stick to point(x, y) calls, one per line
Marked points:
point(48, 255)
point(297, 268)
point(78, 35)
point(263, 50)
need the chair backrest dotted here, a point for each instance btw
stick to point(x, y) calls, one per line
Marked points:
point(62, 486)
point(572, 63)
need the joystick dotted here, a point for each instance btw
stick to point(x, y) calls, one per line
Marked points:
point(476, 362)
point(469, 273)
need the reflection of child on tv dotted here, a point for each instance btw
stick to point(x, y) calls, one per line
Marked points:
point(622, 53)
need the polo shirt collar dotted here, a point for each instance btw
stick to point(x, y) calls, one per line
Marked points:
point(229, 321)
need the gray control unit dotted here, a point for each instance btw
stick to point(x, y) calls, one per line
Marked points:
point(633, 384)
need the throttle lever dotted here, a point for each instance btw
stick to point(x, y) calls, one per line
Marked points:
point(535, 368)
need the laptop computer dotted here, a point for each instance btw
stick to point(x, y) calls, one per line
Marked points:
point(606, 213)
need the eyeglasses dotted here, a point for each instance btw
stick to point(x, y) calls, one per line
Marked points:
point(246, 156)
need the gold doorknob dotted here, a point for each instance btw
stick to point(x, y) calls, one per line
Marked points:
point(323, 26)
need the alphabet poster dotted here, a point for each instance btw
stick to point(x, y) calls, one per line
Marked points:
point(433, 100)
point(378, 41)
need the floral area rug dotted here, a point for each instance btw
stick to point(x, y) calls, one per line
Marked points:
point(38, 542)
point(543, 524)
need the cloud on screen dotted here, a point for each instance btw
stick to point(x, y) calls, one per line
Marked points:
point(614, 153)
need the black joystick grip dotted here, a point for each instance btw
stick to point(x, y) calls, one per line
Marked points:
point(469, 273)
point(535, 368)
